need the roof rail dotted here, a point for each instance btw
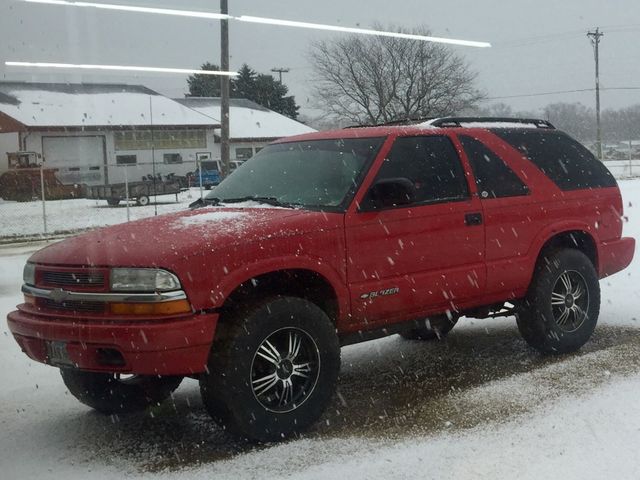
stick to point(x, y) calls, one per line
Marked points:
point(458, 121)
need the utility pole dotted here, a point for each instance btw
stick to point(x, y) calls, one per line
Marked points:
point(224, 89)
point(595, 41)
point(280, 71)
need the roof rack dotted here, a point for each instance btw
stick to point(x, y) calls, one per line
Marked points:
point(458, 121)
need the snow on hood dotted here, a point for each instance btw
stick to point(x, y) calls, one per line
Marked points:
point(156, 240)
point(206, 218)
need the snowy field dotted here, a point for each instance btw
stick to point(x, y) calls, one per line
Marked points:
point(479, 405)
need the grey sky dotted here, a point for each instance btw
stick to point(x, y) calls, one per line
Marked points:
point(539, 45)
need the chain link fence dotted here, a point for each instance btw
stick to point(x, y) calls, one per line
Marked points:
point(35, 203)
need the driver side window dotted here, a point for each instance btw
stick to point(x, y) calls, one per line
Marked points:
point(431, 164)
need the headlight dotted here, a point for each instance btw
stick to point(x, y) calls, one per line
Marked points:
point(29, 274)
point(143, 280)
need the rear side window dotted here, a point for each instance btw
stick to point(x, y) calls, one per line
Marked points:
point(566, 162)
point(494, 177)
point(431, 163)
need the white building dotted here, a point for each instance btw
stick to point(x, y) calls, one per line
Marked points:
point(251, 126)
point(89, 132)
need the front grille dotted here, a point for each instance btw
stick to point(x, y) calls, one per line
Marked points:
point(78, 279)
point(72, 305)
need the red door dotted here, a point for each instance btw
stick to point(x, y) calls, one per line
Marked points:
point(423, 257)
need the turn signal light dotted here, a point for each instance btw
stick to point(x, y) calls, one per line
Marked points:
point(161, 308)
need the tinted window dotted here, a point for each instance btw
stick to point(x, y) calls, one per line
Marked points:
point(431, 164)
point(493, 177)
point(566, 162)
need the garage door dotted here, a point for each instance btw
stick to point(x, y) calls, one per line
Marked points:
point(78, 159)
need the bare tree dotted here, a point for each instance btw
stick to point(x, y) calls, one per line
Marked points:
point(574, 118)
point(371, 80)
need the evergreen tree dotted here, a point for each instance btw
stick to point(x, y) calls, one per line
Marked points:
point(244, 85)
point(204, 85)
point(262, 89)
point(272, 94)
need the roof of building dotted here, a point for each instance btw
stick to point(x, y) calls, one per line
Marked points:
point(82, 105)
point(247, 119)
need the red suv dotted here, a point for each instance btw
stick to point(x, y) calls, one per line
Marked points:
point(319, 241)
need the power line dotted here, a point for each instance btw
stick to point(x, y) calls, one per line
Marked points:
point(538, 39)
point(557, 92)
point(540, 94)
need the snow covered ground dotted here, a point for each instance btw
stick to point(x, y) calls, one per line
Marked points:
point(20, 219)
point(479, 405)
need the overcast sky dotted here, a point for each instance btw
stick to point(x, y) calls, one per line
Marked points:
point(539, 45)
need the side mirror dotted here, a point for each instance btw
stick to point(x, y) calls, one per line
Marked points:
point(389, 193)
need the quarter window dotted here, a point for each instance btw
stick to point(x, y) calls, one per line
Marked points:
point(494, 177)
point(566, 162)
point(431, 164)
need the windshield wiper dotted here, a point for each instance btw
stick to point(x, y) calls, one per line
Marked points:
point(268, 200)
point(204, 202)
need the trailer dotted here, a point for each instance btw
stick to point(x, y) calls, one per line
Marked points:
point(141, 191)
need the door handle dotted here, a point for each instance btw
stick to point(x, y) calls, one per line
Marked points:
point(472, 219)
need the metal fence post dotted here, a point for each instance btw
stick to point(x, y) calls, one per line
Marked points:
point(44, 206)
point(126, 191)
point(199, 165)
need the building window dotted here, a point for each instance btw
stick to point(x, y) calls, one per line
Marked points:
point(126, 159)
point(172, 158)
point(160, 139)
point(244, 153)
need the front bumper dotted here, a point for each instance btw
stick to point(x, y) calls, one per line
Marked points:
point(179, 346)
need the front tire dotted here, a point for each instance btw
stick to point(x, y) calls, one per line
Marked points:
point(561, 309)
point(109, 393)
point(272, 370)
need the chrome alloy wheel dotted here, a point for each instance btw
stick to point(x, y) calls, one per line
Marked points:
point(285, 370)
point(570, 301)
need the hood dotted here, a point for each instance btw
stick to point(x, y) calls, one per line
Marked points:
point(168, 239)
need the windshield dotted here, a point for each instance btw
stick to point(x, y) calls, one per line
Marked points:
point(313, 174)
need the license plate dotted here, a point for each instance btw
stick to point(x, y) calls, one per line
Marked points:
point(57, 354)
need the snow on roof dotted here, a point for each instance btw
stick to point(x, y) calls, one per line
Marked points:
point(482, 124)
point(247, 118)
point(93, 105)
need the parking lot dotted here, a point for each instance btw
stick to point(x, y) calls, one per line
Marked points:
point(480, 404)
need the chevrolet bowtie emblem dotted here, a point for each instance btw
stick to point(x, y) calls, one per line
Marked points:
point(58, 295)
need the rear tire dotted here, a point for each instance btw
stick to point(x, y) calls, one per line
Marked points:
point(432, 328)
point(109, 394)
point(272, 370)
point(143, 200)
point(561, 309)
